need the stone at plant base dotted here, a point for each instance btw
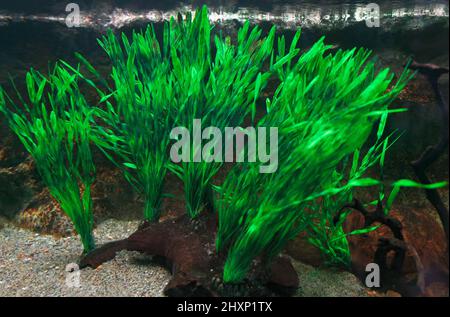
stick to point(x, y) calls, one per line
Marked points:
point(282, 273)
point(2, 222)
point(44, 215)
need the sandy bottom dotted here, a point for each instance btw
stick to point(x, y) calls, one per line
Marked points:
point(36, 265)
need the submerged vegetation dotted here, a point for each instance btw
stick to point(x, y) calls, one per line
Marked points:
point(133, 128)
point(220, 90)
point(159, 87)
point(325, 107)
point(53, 123)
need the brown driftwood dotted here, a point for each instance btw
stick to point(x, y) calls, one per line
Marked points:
point(391, 270)
point(378, 216)
point(429, 70)
point(370, 217)
point(187, 248)
point(432, 153)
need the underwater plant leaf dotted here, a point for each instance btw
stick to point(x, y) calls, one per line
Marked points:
point(364, 182)
point(364, 230)
point(130, 165)
point(411, 183)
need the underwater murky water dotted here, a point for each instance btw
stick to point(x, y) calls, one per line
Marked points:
point(287, 14)
point(38, 31)
point(33, 34)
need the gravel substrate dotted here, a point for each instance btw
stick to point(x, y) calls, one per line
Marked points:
point(35, 265)
point(321, 282)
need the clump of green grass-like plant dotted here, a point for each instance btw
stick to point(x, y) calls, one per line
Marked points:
point(220, 89)
point(324, 227)
point(157, 87)
point(54, 126)
point(133, 129)
point(324, 110)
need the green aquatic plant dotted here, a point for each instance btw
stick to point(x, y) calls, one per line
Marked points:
point(191, 57)
point(325, 226)
point(159, 87)
point(150, 95)
point(220, 89)
point(133, 128)
point(321, 115)
point(324, 110)
point(53, 124)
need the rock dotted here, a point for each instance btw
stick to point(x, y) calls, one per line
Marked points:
point(17, 188)
point(23, 198)
point(44, 215)
point(112, 195)
point(301, 250)
point(282, 276)
point(12, 153)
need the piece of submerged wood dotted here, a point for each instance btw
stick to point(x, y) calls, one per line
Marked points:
point(188, 252)
point(184, 252)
